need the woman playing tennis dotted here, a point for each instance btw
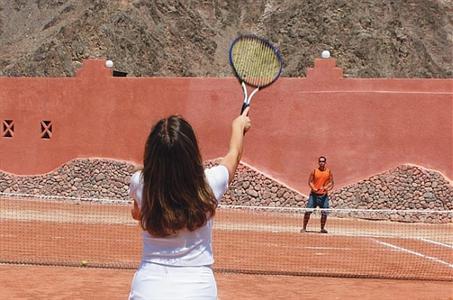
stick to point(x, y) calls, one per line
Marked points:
point(175, 201)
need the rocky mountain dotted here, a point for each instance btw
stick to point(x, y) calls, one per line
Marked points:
point(369, 38)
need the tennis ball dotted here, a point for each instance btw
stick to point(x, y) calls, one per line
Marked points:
point(109, 63)
point(325, 54)
point(83, 263)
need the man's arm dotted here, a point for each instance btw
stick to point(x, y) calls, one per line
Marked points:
point(311, 183)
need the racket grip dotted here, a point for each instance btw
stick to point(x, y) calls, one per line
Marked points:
point(244, 106)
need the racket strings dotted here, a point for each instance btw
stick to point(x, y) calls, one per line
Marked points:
point(255, 61)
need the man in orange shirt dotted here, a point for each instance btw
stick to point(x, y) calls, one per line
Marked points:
point(320, 182)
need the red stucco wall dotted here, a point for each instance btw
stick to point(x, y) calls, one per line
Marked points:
point(363, 126)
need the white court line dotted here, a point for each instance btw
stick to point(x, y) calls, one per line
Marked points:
point(437, 243)
point(312, 247)
point(327, 248)
point(374, 92)
point(414, 253)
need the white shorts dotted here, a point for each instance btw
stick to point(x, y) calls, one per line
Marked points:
point(152, 281)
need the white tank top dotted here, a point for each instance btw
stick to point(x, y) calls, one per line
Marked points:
point(186, 248)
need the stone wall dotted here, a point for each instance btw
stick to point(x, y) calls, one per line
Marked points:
point(82, 178)
point(403, 188)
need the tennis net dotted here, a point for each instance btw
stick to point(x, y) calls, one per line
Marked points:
point(397, 244)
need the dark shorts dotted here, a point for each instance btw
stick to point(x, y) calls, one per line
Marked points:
point(321, 201)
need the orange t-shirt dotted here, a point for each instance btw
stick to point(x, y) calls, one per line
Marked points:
point(320, 178)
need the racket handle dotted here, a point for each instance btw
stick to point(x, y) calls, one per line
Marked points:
point(244, 106)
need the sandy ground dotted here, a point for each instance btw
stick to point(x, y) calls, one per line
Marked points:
point(39, 282)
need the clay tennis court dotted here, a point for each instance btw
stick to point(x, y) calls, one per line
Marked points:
point(93, 237)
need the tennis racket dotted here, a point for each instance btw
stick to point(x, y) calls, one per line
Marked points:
point(256, 63)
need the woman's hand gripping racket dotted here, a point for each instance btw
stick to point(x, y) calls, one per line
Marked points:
point(256, 62)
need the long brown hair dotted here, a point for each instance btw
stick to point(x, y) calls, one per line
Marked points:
point(175, 192)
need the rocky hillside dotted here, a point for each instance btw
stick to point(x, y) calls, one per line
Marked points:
point(398, 38)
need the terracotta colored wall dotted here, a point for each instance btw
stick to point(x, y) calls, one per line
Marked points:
point(363, 126)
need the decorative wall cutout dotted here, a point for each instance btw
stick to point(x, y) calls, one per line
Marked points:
point(46, 129)
point(8, 128)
